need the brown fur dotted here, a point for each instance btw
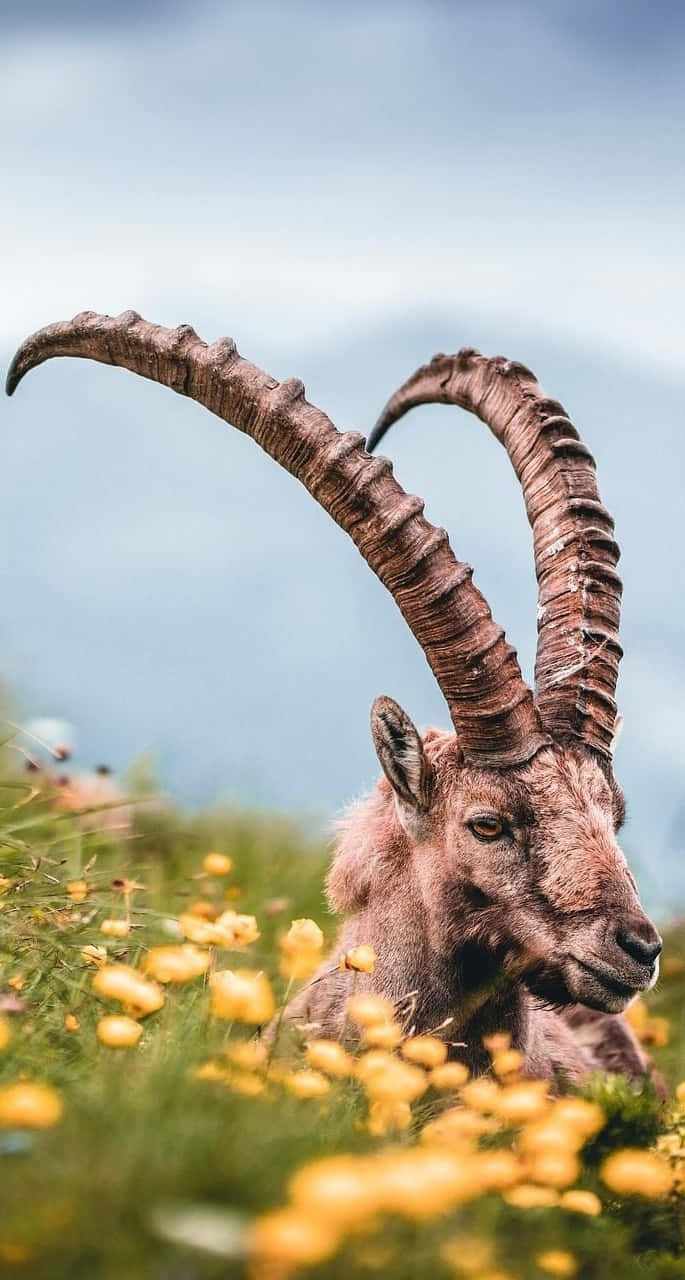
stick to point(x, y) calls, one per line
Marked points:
point(492, 935)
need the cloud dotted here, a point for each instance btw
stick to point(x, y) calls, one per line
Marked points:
point(268, 167)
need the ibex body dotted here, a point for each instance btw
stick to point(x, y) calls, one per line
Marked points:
point(484, 868)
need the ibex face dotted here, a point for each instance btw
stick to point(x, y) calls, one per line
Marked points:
point(523, 863)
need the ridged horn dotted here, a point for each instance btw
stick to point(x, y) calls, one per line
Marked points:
point(579, 590)
point(492, 709)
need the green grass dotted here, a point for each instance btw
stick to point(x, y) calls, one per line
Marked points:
point(141, 1139)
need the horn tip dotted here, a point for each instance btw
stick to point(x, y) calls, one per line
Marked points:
point(13, 379)
point(21, 363)
point(376, 434)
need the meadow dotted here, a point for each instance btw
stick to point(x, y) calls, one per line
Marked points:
point(145, 1132)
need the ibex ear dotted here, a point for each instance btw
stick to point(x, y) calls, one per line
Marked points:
point(400, 751)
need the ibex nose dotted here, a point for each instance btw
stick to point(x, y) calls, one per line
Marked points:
point(640, 940)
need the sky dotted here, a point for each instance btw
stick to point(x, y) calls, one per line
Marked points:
point(344, 190)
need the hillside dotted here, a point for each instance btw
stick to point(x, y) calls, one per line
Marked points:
point(156, 1160)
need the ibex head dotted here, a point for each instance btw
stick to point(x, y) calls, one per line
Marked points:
point(520, 864)
point(532, 850)
point(516, 812)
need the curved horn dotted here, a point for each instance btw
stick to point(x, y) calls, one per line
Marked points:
point(492, 709)
point(579, 590)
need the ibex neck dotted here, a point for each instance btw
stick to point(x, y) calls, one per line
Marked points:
point(437, 983)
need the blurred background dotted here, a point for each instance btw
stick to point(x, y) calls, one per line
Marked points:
point(344, 190)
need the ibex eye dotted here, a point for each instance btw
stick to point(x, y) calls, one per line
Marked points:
point(487, 828)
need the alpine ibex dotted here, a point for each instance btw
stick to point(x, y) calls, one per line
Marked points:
point(484, 869)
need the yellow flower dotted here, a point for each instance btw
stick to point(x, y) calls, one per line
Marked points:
point(498, 1042)
point(137, 994)
point(77, 890)
point(204, 910)
point(330, 1057)
point(383, 1035)
point(638, 1173)
point(648, 1030)
point(526, 1196)
point(249, 1055)
point(481, 1094)
point(522, 1102)
point(377, 1061)
point(115, 928)
point(336, 1189)
point(579, 1115)
point(239, 929)
point(554, 1168)
point(637, 1015)
point(211, 1071)
point(71, 1022)
point(425, 1051)
point(291, 1238)
point(29, 1106)
point(458, 1127)
point(243, 995)
point(361, 958)
point(5, 1032)
point(246, 1083)
point(176, 963)
point(423, 1183)
point(558, 1262)
point(301, 949)
point(304, 934)
point(229, 930)
point(367, 1010)
point(298, 965)
point(657, 1032)
point(497, 1169)
point(557, 1131)
point(581, 1202)
point(199, 930)
point(217, 864)
point(307, 1084)
point(390, 1080)
point(680, 1091)
point(387, 1117)
point(16, 982)
point(14, 1251)
point(97, 956)
point(452, 1075)
point(118, 1032)
point(507, 1063)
